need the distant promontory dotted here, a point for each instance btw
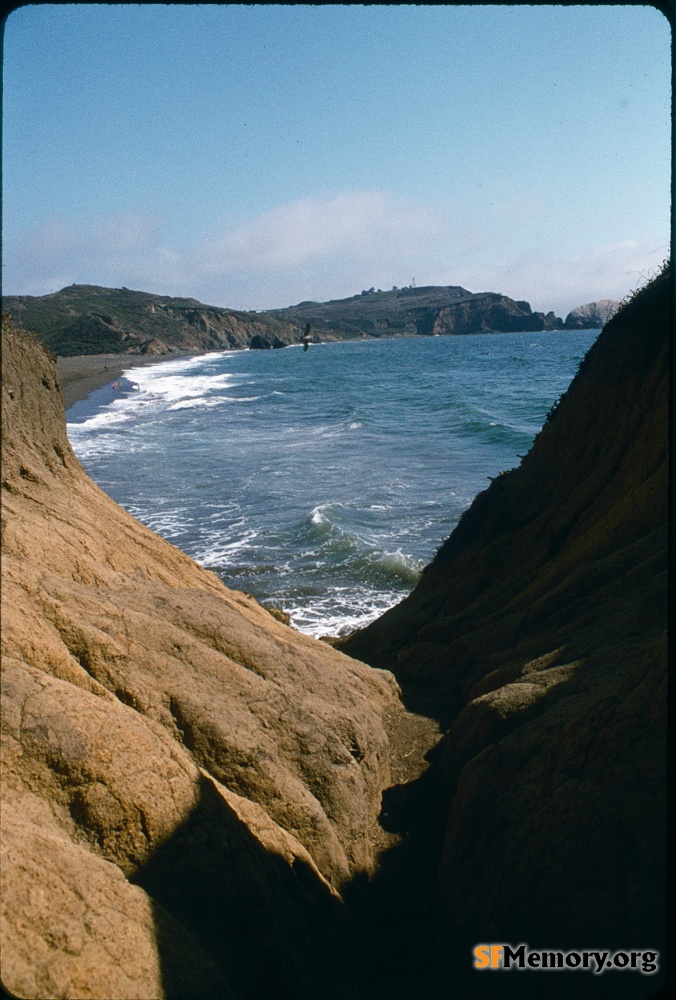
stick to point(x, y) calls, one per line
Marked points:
point(428, 311)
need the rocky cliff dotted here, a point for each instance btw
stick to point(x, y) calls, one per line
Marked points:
point(426, 311)
point(187, 783)
point(592, 316)
point(540, 630)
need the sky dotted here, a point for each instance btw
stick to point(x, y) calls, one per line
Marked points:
point(255, 156)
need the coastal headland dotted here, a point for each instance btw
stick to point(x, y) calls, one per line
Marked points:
point(199, 801)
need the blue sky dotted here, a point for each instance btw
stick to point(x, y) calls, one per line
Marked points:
point(253, 156)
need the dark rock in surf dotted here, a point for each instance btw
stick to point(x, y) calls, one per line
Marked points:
point(261, 343)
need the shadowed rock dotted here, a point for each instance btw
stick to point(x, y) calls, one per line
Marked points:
point(543, 618)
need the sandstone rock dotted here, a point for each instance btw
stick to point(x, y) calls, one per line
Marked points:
point(543, 619)
point(214, 775)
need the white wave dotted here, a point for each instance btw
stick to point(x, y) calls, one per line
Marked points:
point(177, 379)
point(220, 551)
point(172, 388)
point(161, 387)
point(167, 523)
point(321, 513)
point(404, 566)
point(330, 615)
point(317, 514)
point(174, 365)
point(191, 403)
point(90, 449)
point(113, 416)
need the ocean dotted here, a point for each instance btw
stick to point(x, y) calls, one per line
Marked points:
point(322, 481)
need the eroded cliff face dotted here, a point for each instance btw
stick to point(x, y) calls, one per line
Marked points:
point(540, 628)
point(188, 783)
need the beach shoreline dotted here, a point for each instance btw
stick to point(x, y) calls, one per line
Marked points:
point(80, 375)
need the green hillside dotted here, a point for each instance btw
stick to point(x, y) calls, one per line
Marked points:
point(430, 310)
point(88, 319)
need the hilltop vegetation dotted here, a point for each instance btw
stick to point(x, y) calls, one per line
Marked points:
point(429, 310)
point(88, 319)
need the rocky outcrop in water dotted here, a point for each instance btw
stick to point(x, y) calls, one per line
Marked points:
point(187, 783)
point(259, 343)
point(592, 316)
point(487, 313)
point(540, 629)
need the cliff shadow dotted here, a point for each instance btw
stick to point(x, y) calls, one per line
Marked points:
point(233, 919)
point(236, 920)
point(399, 904)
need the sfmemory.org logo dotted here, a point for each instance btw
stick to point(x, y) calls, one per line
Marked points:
point(506, 956)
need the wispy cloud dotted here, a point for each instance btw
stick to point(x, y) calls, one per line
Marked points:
point(124, 248)
point(560, 281)
point(365, 224)
point(333, 245)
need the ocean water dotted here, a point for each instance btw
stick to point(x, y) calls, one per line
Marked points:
point(322, 481)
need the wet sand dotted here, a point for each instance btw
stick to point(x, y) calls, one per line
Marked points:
point(80, 375)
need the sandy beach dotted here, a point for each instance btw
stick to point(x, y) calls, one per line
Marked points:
point(82, 374)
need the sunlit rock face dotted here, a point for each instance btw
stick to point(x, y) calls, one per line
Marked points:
point(592, 316)
point(541, 627)
point(188, 783)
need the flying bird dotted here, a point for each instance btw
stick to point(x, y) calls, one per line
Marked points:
point(307, 339)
